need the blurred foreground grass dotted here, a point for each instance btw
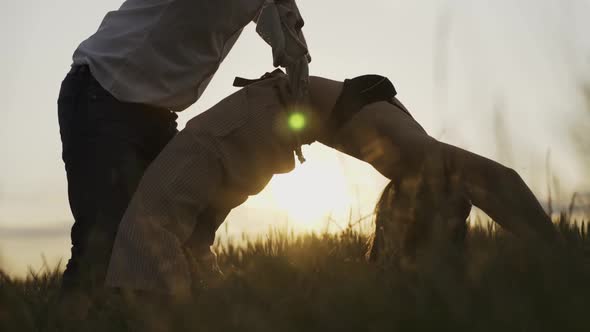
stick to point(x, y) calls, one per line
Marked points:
point(287, 282)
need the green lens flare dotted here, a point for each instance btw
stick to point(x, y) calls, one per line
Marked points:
point(297, 121)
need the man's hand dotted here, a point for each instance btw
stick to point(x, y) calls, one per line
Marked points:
point(279, 24)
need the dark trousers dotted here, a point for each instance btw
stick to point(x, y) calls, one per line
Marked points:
point(107, 145)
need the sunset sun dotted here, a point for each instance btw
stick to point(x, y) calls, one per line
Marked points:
point(310, 194)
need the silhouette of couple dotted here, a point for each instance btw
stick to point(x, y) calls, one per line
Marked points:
point(147, 199)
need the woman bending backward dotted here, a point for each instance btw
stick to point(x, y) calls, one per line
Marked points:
point(232, 151)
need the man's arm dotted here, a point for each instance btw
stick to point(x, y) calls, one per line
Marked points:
point(280, 24)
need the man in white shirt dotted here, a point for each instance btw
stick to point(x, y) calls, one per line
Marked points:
point(148, 59)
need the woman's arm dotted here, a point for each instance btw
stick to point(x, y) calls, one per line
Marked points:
point(387, 137)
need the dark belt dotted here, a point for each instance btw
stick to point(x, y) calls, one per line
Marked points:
point(79, 69)
point(240, 82)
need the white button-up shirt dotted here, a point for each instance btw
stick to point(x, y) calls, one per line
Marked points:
point(164, 52)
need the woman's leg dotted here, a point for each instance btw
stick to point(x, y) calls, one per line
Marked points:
point(220, 158)
point(149, 252)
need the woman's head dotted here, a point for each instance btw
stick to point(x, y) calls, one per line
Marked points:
point(411, 219)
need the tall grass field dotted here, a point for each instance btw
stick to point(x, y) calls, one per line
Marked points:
point(289, 282)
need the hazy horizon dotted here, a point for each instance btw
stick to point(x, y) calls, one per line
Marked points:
point(501, 79)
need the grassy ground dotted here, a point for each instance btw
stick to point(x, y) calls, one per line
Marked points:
point(322, 283)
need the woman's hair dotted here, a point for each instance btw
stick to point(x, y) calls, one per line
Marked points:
point(394, 237)
point(382, 209)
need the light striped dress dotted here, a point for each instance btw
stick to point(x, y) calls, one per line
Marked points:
point(222, 156)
